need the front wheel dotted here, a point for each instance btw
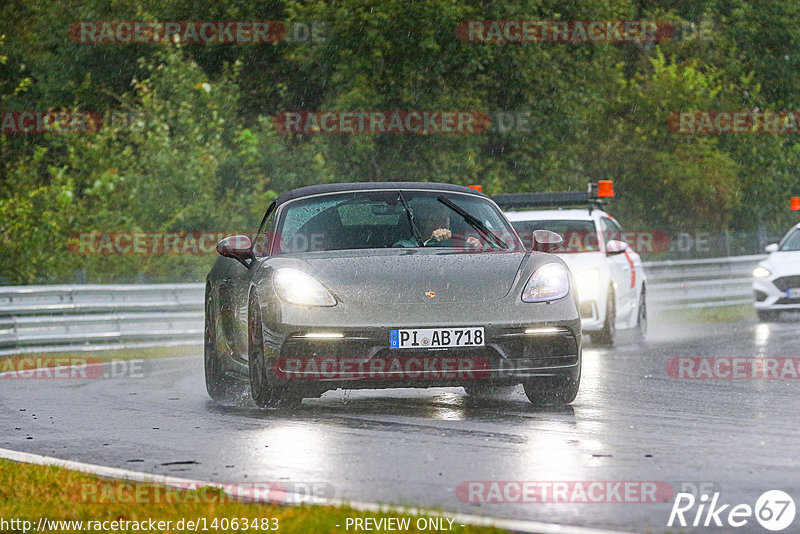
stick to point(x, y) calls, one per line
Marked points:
point(551, 390)
point(641, 323)
point(606, 336)
point(219, 386)
point(265, 394)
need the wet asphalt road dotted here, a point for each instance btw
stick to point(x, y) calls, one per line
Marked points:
point(630, 422)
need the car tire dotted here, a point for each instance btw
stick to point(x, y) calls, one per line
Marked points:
point(551, 390)
point(264, 394)
point(767, 315)
point(219, 386)
point(641, 321)
point(606, 336)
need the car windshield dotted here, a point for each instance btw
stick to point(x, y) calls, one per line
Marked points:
point(392, 219)
point(791, 242)
point(578, 235)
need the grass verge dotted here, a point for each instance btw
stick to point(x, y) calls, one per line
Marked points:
point(31, 492)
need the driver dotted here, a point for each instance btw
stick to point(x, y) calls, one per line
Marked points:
point(434, 228)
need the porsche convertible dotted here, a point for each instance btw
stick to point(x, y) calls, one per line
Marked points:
point(396, 284)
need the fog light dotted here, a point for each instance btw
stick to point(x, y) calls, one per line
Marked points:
point(545, 331)
point(322, 335)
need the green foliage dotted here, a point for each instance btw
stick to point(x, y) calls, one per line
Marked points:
point(34, 222)
point(694, 182)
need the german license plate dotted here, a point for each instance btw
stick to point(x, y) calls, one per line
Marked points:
point(435, 338)
point(793, 293)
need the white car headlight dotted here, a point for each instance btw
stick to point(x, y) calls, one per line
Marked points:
point(296, 287)
point(761, 272)
point(548, 282)
point(587, 281)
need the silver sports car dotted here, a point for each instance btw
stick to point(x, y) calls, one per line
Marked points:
point(396, 284)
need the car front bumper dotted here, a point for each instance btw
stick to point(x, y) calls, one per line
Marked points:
point(771, 294)
point(362, 358)
point(358, 338)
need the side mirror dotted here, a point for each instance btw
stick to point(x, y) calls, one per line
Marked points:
point(616, 247)
point(772, 247)
point(238, 247)
point(546, 241)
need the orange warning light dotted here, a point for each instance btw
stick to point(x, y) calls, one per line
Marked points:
point(605, 189)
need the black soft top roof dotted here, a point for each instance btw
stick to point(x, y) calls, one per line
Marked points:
point(357, 186)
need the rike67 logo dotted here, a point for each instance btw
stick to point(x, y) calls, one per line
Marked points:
point(774, 510)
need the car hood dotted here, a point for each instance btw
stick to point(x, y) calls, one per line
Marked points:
point(406, 276)
point(783, 263)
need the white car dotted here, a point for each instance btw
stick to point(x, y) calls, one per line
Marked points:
point(608, 272)
point(776, 279)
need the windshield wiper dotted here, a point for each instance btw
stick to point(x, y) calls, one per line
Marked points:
point(473, 221)
point(410, 215)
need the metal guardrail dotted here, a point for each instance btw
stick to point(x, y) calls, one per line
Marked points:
point(92, 317)
point(707, 283)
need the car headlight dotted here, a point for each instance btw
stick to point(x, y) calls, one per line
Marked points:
point(587, 281)
point(548, 282)
point(296, 287)
point(761, 272)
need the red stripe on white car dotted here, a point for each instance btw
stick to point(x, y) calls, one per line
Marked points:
point(633, 269)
